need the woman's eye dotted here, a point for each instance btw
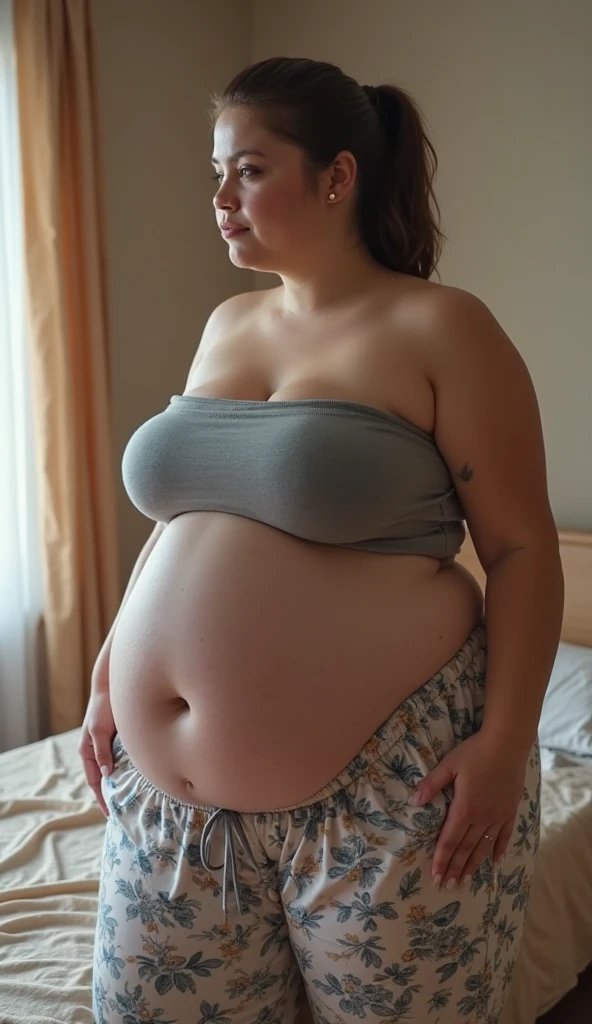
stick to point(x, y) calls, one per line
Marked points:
point(253, 170)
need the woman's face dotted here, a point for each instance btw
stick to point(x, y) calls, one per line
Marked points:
point(264, 191)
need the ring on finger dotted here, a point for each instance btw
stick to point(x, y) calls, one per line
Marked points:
point(490, 839)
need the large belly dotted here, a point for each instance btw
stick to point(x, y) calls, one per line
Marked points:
point(248, 667)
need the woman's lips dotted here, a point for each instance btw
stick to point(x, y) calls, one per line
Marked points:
point(230, 231)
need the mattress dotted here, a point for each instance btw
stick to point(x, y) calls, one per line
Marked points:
point(51, 838)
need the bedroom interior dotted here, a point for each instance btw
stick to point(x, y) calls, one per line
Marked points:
point(506, 90)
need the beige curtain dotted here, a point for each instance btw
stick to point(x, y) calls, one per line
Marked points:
point(69, 343)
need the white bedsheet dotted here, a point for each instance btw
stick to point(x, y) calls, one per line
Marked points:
point(51, 836)
point(558, 929)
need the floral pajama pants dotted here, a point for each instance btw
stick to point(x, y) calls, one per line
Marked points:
point(213, 916)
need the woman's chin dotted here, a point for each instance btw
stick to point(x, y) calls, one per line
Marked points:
point(240, 260)
point(246, 258)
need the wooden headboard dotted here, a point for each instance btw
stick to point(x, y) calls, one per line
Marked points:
point(576, 558)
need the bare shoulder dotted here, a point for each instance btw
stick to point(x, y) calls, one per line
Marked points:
point(221, 322)
point(452, 326)
point(227, 312)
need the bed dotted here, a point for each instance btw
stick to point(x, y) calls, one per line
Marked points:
point(51, 836)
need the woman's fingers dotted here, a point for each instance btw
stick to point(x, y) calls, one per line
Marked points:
point(482, 849)
point(470, 851)
point(88, 756)
point(454, 836)
point(476, 845)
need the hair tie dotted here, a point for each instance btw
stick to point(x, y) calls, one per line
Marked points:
point(373, 94)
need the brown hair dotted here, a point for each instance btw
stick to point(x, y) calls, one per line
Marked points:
point(316, 106)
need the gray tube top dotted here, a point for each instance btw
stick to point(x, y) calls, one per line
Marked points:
point(322, 469)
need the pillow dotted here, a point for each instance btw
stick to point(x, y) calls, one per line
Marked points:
point(566, 716)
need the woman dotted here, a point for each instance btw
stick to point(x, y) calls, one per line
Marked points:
point(311, 786)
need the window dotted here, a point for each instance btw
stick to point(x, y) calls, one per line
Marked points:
point(21, 592)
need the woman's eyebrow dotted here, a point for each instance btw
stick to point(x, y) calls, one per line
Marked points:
point(241, 152)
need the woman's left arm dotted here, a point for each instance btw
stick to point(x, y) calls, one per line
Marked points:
point(488, 430)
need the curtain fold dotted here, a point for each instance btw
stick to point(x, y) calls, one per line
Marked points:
point(69, 351)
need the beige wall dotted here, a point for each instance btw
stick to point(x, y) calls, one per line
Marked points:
point(506, 88)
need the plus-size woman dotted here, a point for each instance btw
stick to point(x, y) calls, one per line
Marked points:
point(319, 735)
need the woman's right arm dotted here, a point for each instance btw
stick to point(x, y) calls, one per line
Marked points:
point(100, 674)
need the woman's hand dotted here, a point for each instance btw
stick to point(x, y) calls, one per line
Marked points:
point(488, 780)
point(96, 737)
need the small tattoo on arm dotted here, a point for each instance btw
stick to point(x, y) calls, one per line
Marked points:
point(466, 473)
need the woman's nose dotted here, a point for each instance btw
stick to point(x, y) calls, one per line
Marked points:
point(223, 198)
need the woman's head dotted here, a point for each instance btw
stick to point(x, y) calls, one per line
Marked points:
point(323, 134)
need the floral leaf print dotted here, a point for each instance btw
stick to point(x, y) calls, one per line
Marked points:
point(440, 999)
point(484, 876)
point(164, 855)
point(333, 986)
point(398, 974)
point(212, 1014)
point(304, 873)
point(428, 820)
point(140, 861)
point(107, 925)
point(446, 971)
point(408, 886)
point(311, 819)
point(356, 866)
point(520, 901)
point(463, 722)
point(125, 842)
point(232, 942)
point(508, 972)
point(365, 910)
point(142, 905)
point(491, 913)
point(401, 1005)
point(191, 852)
point(276, 934)
point(304, 958)
point(365, 949)
point(181, 909)
point(154, 819)
point(512, 883)
point(114, 964)
point(505, 931)
point(470, 951)
point(435, 937)
point(125, 888)
point(436, 712)
point(479, 985)
point(442, 918)
point(111, 860)
point(255, 985)
point(305, 920)
point(361, 1000)
point(528, 827)
point(168, 969)
point(378, 818)
point(133, 1009)
point(402, 770)
point(344, 910)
